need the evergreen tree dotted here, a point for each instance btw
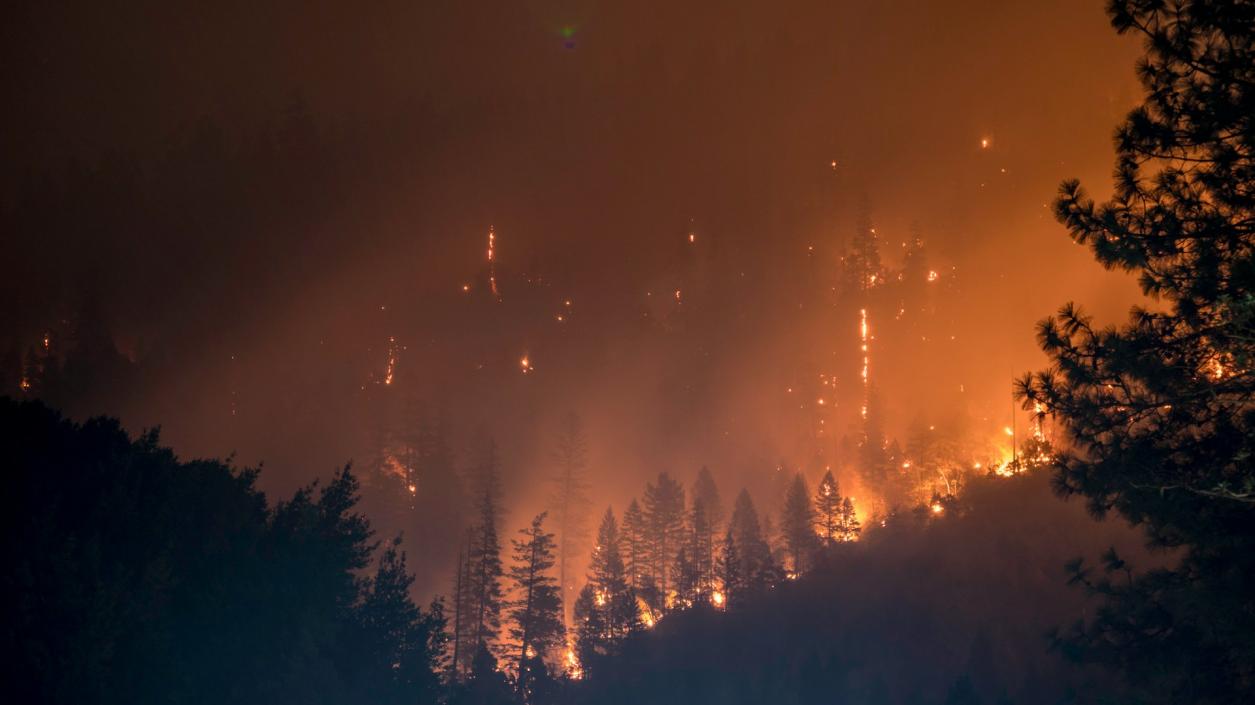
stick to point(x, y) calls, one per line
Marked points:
point(1158, 412)
point(536, 615)
point(685, 577)
point(828, 508)
point(484, 569)
point(608, 576)
point(635, 549)
point(848, 525)
point(569, 501)
point(664, 522)
point(797, 524)
point(707, 516)
point(731, 571)
point(758, 569)
point(592, 646)
point(399, 648)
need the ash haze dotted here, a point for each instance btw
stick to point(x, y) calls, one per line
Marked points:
point(527, 353)
point(613, 251)
point(257, 200)
point(412, 128)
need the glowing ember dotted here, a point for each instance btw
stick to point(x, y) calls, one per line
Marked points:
point(391, 366)
point(492, 258)
point(526, 365)
point(937, 508)
point(717, 599)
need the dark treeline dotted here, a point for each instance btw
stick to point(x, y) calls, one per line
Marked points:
point(135, 577)
point(144, 578)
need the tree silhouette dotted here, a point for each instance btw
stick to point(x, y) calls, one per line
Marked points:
point(1158, 412)
point(536, 615)
point(828, 508)
point(797, 524)
point(664, 522)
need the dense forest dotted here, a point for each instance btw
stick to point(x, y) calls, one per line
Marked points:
point(919, 567)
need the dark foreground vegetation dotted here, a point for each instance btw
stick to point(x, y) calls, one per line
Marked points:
point(141, 578)
point(136, 578)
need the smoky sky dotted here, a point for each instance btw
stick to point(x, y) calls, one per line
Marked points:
point(259, 197)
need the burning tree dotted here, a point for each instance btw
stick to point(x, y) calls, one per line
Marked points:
point(536, 614)
point(606, 611)
point(828, 509)
point(1159, 412)
point(797, 524)
point(664, 523)
point(569, 501)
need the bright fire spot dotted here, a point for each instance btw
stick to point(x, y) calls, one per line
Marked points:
point(466, 287)
point(526, 365)
point(985, 142)
point(677, 294)
point(572, 663)
point(717, 599)
point(646, 613)
point(413, 488)
point(932, 275)
point(692, 237)
point(1007, 430)
point(937, 508)
point(862, 333)
point(25, 385)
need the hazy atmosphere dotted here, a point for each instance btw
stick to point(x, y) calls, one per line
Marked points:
point(533, 256)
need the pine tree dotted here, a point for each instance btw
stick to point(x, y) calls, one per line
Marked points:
point(848, 526)
point(707, 516)
point(569, 501)
point(706, 494)
point(536, 615)
point(797, 524)
point(828, 508)
point(685, 578)
point(484, 569)
point(591, 643)
point(664, 522)
point(1158, 412)
point(608, 576)
point(400, 647)
point(635, 551)
point(758, 569)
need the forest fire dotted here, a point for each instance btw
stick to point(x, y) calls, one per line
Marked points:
point(378, 479)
